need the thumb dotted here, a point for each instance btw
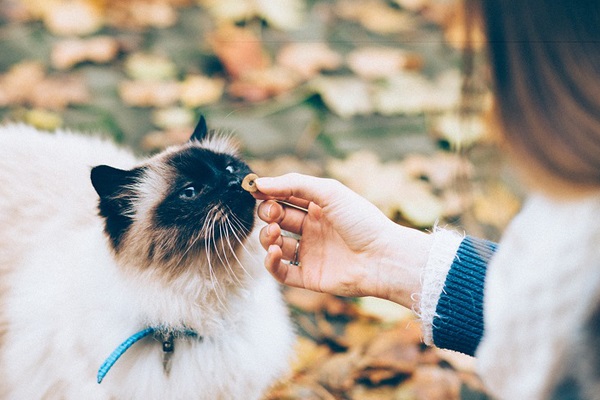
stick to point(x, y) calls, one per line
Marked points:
point(321, 191)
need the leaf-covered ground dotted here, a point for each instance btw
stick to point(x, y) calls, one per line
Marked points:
point(367, 92)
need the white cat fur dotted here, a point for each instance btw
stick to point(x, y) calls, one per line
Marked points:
point(65, 304)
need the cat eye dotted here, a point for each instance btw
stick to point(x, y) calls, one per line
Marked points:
point(230, 169)
point(188, 193)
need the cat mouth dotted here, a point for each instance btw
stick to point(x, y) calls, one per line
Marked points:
point(222, 224)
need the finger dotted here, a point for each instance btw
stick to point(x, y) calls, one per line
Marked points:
point(291, 201)
point(289, 218)
point(307, 188)
point(270, 235)
point(289, 247)
point(295, 202)
point(285, 273)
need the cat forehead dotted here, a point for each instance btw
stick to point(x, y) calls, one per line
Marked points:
point(188, 158)
point(212, 147)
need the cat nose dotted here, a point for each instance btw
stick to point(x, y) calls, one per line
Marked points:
point(234, 180)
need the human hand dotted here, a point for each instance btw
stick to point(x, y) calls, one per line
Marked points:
point(348, 247)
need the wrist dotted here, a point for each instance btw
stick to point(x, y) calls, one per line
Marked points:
point(400, 268)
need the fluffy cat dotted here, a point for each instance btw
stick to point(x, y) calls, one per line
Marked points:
point(163, 248)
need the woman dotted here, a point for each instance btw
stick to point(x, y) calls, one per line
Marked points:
point(534, 325)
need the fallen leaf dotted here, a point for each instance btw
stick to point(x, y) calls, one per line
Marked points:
point(459, 131)
point(376, 16)
point(282, 14)
point(413, 5)
point(361, 331)
point(239, 50)
point(458, 361)
point(441, 169)
point(338, 372)
point(301, 388)
point(388, 187)
point(149, 93)
point(70, 52)
point(379, 62)
point(316, 302)
point(159, 140)
point(73, 18)
point(392, 354)
point(43, 119)
point(346, 96)
point(435, 383)
point(403, 93)
point(56, 93)
point(196, 90)
point(495, 205)
point(150, 67)
point(308, 354)
point(141, 14)
point(259, 85)
point(19, 81)
point(363, 392)
point(384, 310)
point(173, 118)
point(308, 59)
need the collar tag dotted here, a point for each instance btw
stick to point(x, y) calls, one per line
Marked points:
point(166, 337)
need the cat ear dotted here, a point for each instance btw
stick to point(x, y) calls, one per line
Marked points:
point(109, 181)
point(201, 130)
point(114, 186)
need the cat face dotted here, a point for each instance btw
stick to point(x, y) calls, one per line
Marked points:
point(180, 207)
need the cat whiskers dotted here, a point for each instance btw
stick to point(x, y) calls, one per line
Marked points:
point(224, 237)
point(239, 223)
point(209, 238)
point(233, 223)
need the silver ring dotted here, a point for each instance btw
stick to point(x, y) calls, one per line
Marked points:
point(295, 260)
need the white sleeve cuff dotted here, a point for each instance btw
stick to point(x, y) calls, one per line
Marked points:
point(441, 255)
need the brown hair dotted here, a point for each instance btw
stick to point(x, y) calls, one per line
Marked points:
point(545, 64)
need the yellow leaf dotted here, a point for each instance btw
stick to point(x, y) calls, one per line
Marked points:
point(150, 67)
point(43, 119)
point(198, 90)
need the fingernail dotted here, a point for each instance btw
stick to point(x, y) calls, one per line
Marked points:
point(269, 230)
point(264, 182)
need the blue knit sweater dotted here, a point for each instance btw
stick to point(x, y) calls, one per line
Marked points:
point(458, 324)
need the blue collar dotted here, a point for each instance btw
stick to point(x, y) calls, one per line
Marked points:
point(166, 336)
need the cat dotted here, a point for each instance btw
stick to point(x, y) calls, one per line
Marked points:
point(142, 274)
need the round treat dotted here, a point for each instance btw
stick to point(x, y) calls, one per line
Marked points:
point(248, 183)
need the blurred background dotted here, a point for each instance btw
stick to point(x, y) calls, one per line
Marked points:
point(374, 93)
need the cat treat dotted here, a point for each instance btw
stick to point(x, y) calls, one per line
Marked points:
point(248, 183)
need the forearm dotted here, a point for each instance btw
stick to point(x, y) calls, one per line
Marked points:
point(451, 299)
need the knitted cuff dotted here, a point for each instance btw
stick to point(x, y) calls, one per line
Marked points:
point(458, 321)
point(441, 255)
